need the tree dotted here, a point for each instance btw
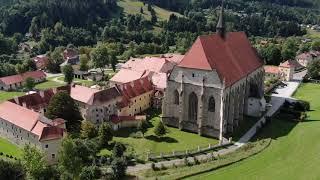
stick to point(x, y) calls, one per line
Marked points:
point(314, 69)
point(100, 57)
point(62, 106)
point(141, 10)
point(315, 45)
point(160, 129)
point(74, 155)
point(55, 59)
point(304, 47)
point(289, 49)
point(88, 130)
point(30, 83)
point(34, 29)
point(271, 54)
point(29, 65)
point(20, 68)
point(11, 170)
point(143, 127)
point(90, 172)
point(118, 150)
point(119, 167)
point(68, 73)
point(105, 134)
point(83, 62)
point(34, 162)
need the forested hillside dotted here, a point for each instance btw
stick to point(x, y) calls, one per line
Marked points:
point(137, 27)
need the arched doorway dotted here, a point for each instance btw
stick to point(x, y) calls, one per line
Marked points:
point(193, 107)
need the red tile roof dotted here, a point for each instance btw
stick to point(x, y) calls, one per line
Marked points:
point(83, 94)
point(37, 100)
point(29, 120)
point(288, 64)
point(232, 57)
point(271, 69)
point(22, 77)
point(133, 89)
point(41, 61)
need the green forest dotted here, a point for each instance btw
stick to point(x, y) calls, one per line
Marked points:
point(132, 27)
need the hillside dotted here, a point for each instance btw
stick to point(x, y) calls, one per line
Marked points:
point(134, 6)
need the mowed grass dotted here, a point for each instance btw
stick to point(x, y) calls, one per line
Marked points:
point(313, 34)
point(4, 95)
point(294, 152)
point(133, 7)
point(49, 83)
point(9, 148)
point(175, 140)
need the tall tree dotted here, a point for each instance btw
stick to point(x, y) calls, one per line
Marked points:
point(105, 135)
point(11, 170)
point(100, 57)
point(68, 73)
point(83, 62)
point(63, 106)
point(30, 83)
point(34, 162)
point(88, 130)
point(160, 129)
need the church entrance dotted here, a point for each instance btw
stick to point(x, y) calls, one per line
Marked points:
point(193, 107)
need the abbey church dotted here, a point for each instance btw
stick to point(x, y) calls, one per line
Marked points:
point(219, 80)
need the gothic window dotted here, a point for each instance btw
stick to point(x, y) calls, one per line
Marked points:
point(193, 107)
point(176, 97)
point(212, 105)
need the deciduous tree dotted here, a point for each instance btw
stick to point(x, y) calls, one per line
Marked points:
point(68, 73)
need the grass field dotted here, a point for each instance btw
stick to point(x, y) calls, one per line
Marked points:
point(133, 7)
point(4, 95)
point(294, 152)
point(174, 140)
point(7, 147)
point(313, 34)
point(48, 84)
point(82, 81)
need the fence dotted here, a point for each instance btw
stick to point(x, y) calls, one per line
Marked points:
point(188, 152)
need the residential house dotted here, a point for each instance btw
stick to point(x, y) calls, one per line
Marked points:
point(287, 70)
point(24, 126)
point(41, 61)
point(272, 71)
point(17, 81)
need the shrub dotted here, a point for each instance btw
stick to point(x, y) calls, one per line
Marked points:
point(11, 157)
point(1, 153)
point(186, 161)
point(162, 167)
point(303, 116)
point(153, 167)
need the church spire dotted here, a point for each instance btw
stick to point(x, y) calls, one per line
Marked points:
point(221, 29)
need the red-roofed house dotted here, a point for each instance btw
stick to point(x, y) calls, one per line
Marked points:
point(287, 70)
point(219, 80)
point(305, 58)
point(24, 126)
point(136, 97)
point(41, 61)
point(96, 105)
point(17, 81)
point(38, 101)
point(272, 71)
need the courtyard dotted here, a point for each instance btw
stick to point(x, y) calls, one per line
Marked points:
point(174, 140)
point(8, 148)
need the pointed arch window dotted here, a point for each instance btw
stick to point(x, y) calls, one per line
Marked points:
point(212, 104)
point(193, 107)
point(176, 97)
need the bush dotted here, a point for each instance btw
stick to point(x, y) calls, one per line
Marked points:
point(136, 135)
point(153, 167)
point(301, 106)
point(303, 116)
point(1, 153)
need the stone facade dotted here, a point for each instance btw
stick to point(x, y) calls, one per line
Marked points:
point(204, 90)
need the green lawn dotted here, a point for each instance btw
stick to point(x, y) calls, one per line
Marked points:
point(50, 83)
point(133, 7)
point(82, 81)
point(7, 147)
point(294, 152)
point(313, 34)
point(4, 95)
point(174, 140)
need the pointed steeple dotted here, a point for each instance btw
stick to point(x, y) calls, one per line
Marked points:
point(221, 29)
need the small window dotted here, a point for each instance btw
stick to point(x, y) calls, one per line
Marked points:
point(21, 138)
point(44, 110)
point(47, 146)
point(100, 110)
point(97, 110)
point(135, 100)
point(193, 75)
point(176, 97)
point(53, 156)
